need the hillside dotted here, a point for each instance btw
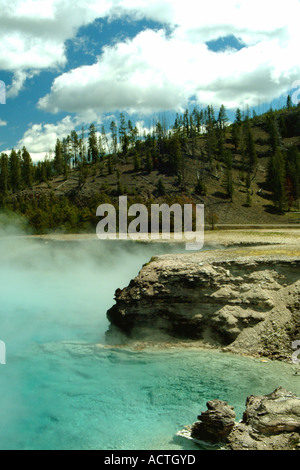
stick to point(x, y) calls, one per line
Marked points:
point(182, 166)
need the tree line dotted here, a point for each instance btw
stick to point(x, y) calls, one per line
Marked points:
point(166, 149)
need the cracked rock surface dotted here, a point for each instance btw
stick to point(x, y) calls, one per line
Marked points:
point(222, 298)
point(270, 422)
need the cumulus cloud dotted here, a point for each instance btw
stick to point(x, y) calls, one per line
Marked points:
point(3, 123)
point(41, 137)
point(130, 75)
point(34, 33)
point(20, 76)
point(251, 21)
point(157, 70)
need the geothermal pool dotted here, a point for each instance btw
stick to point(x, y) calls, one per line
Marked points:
point(60, 390)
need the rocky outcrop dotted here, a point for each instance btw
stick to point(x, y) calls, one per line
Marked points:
point(270, 422)
point(245, 303)
point(216, 423)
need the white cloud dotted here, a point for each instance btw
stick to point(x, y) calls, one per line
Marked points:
point(34, 33)
point(158, 71)
point(130, 75)
point(18, 81)
point(3, 123)
point(39, 157)
point(203, 21)
point(42, 137)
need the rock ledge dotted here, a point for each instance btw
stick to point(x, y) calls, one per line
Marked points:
point(247, 304)
point(270, 422)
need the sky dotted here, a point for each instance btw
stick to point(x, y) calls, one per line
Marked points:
point(65, 64)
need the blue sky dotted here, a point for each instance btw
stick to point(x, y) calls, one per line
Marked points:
point(67, 63)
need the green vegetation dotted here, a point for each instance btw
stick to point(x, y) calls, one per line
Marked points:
point(252, 163)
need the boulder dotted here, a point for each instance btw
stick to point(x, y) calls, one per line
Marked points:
point(216, 423)
point(270, 422)
point(273, 414)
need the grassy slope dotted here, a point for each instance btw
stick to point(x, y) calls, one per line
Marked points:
point(144, 185)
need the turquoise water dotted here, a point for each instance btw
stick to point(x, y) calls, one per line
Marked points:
point(61, 391)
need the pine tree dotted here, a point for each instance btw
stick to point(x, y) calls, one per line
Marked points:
point(161, 190)
point(250, 150)
point(222, 118)
point(82, 147)
point(274, 133)
point(124, 140)
point(210, 136)
point(4, 173)
point(15, 170)
point(114, 138)
point(238, 116)
point(174, 155)
point(229, 177)
point(186, 123)
point(101, 146)
point(75, 147)
point(293, 173)
point(289, 103)
point(221, 143)
point(58, 162)
point(235, 135)
point(93, 144)
point(41, 173)
point(136, 162)
point(26, 169)
point(276, 179)
point(198, 119)
point(193, 134)
point(133, 133)
point(66, 151)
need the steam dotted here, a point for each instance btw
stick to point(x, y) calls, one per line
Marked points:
point(55, 395)
point(50, 293)
point(60, 291)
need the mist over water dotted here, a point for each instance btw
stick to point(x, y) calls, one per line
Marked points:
point(60, 391)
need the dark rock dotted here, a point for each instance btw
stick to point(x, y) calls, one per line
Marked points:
point(216, 423)
point(273, 414)
point(270, 422)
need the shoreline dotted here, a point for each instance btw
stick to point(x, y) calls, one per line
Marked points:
point(236, 245)
point(240, 300)
point(151, 347)
point(136, 346)
point(228, 237)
